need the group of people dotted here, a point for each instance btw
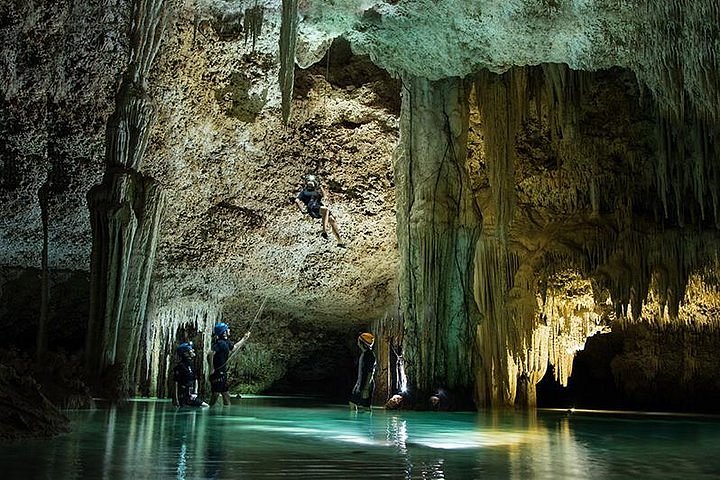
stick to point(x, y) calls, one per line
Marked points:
point(310, 202)
point(185, 392)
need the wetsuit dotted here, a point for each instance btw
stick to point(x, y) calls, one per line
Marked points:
point(218, 379)
point(366, 374)
point(185, 378)
point(312, 200)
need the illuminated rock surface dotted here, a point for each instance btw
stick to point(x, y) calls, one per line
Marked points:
point(592, 155)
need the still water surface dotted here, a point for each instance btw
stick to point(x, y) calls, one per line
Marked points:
point(293, 438)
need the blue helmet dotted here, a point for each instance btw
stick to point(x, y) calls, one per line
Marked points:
point(183, 348)
point(221, 328)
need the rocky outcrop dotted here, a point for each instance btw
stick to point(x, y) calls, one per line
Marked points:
point(24, 410)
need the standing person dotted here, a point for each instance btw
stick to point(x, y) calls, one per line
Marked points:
point(186, 385)
point(309, 201)
point(222, 350)
point(361, 397)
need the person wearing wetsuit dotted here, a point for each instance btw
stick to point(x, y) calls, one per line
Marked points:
point(222, 350)
point(361, 397)
point(309, 201)
point(185, 392)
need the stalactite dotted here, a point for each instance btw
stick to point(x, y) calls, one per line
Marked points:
point(288, 39)
point(679, 61)
point(252, 23)
point(680, 64)
point(494, 277)
point(162, 335)
point(438, 226)
point(634, 262)
point(497, 98)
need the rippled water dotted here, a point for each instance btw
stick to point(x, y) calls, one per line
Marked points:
point(283, 438)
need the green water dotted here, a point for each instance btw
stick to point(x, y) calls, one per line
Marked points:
point(284, 438)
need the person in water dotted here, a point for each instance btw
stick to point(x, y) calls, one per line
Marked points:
point(361, 397)
point(309, 201)
point(218, 358)
point(186, 385)
point(396, 402)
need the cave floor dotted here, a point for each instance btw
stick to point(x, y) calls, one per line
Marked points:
point(273, 437)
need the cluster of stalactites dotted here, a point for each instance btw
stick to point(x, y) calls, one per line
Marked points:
point(252, 23)
point(568, 315)
point(505, 102)
point(685, 170)
point(165, 329)
point(698, 310)
point(680, 64)
point(680, 58)
point(685, 173)
point(665, 281)
point(528, 325)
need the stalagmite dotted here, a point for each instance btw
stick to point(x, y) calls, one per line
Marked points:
point(438, 226)
point(125, 214)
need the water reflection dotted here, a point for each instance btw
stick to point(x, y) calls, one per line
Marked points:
point(256, 439)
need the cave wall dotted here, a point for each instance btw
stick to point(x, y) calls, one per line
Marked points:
point(231, 233)
point(578, 239)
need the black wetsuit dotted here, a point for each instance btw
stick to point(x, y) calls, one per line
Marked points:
point(184, 376)
point(366, 374)
point(312, 200)
point(218, 379)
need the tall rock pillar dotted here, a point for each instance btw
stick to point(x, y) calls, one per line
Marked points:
point(438, 225)
point(125, 211)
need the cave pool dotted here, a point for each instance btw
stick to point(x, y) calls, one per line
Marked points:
point(275, 437)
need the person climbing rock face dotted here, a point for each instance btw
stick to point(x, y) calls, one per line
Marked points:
point(309, 201)
point(362, 393)
point(219, 357)
point(186, 387)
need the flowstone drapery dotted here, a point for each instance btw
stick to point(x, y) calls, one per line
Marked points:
point(125, 215)
point(438, 227)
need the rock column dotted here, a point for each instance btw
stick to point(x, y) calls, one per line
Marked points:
point(125, 214)
point(438, 225)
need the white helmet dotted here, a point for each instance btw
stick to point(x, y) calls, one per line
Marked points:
point(311, 182)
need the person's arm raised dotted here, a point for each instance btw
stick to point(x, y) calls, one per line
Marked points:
point(241, 342)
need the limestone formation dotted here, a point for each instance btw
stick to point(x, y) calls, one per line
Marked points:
point(126, 210)
point(438, 227)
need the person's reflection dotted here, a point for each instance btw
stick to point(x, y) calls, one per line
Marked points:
point(185, 425)
point(109, 442)
point(197, 449)
point(214, 457)
point(397, 435)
